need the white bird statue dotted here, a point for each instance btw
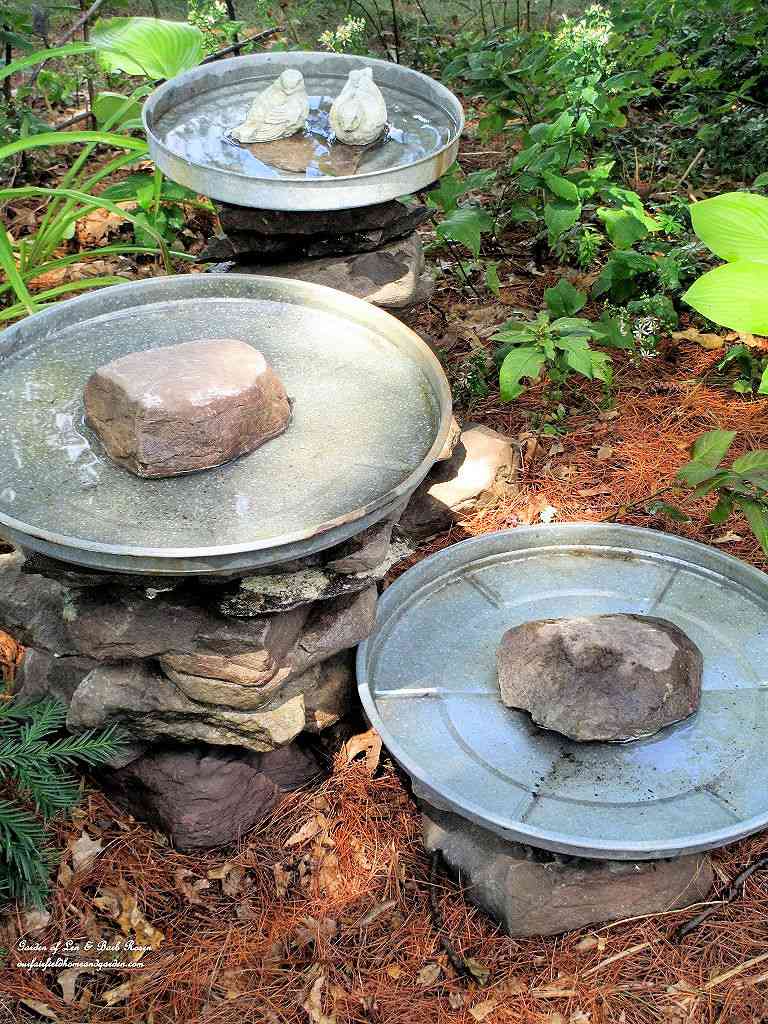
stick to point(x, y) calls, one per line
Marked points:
point(277, 112)
point(359, 114)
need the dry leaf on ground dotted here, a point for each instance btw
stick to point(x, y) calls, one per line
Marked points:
point(429, 974)
point(704, 338)
point(368, 743)
point(84, 851)
point(313, 1004)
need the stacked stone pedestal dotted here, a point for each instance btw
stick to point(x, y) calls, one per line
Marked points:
point(373, 252)
point(217, 683)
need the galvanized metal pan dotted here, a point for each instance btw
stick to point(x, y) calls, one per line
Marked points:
point(427, 679)
point(187, 121)
point(371, 410)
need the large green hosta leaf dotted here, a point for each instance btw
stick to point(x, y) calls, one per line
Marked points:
point(734, 295)
point(734, 226)
point(148, 46)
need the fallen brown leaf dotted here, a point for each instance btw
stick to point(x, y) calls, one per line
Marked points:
point(368, 743)
point(429, 974)
point(481, 1010)
point(706, 340)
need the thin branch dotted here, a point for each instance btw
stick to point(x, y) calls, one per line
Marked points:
point(243, 42)
point(81, 22)
point(732, 893)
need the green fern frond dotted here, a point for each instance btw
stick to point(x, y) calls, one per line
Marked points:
point(36, 762)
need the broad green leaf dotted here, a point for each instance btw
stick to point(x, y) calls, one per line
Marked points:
point(465, 225)
point(753, 467)
point(564, 299)
point(694, 473)
point(519, 363)
point(760, 180)
point(560, 216)
point(763, 388)
point(671, 511)
point(561, 187)
point(722, 510)
point(734, 226)
point(722, 478)
point(757, 517)
point(711, 448)
point(734, 295)
point(519, 214)
point(115, 107)
point(624, 228)
point(148, 46)
point(492, 281)
point(580, 359)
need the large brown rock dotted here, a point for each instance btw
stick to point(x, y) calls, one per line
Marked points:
point(532, 892)
point(604, 677)
point(392, 277)
point(205, 796)
point(187, 407)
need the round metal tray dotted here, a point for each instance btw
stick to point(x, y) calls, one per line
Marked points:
point(187, 120)
point(371, 413)
point(427, 679)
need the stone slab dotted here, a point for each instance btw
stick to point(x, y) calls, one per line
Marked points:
point(532, 892)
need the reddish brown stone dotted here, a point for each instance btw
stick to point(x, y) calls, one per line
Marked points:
point(186, 407)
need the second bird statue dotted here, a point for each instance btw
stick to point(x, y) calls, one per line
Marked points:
point(279, 111)
point(359, 114)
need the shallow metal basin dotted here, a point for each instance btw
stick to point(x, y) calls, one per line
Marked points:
point(187, 120)
point(427, 679)
point(371, 413)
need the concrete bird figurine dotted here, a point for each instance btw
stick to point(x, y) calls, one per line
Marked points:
point(359, 114)
point(279, 111)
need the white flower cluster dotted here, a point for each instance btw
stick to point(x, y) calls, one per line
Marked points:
point(349, 33)
point(206, 14)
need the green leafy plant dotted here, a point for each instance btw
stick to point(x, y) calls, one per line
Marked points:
point(556, 342)
point(150, 47)
point(734, 226)
point(145, 46)
point(36, 765)
point(743, 485)
point(752, 368)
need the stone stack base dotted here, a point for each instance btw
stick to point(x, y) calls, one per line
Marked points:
point(216, 683)
point(534, 892)
point(373, 252)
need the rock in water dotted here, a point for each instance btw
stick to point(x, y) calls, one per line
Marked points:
point(604, 677)
point(186, 407)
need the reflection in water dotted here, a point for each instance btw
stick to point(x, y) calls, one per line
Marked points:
point(198, 130)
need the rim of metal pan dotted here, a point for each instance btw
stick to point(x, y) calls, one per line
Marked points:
point(299, 194)
point(444, 565)
point(191, 287)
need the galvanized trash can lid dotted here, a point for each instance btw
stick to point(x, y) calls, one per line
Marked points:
point(371, 411)
point(188, 118)
point(427, 680)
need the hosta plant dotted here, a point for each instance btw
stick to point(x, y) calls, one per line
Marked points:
point(735, 295)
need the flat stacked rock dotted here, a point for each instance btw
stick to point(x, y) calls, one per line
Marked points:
point(533, 892)
point(611, 678)
point(372, 252)
point(182, 408)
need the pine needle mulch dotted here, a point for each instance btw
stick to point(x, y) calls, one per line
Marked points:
point(322, 914)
